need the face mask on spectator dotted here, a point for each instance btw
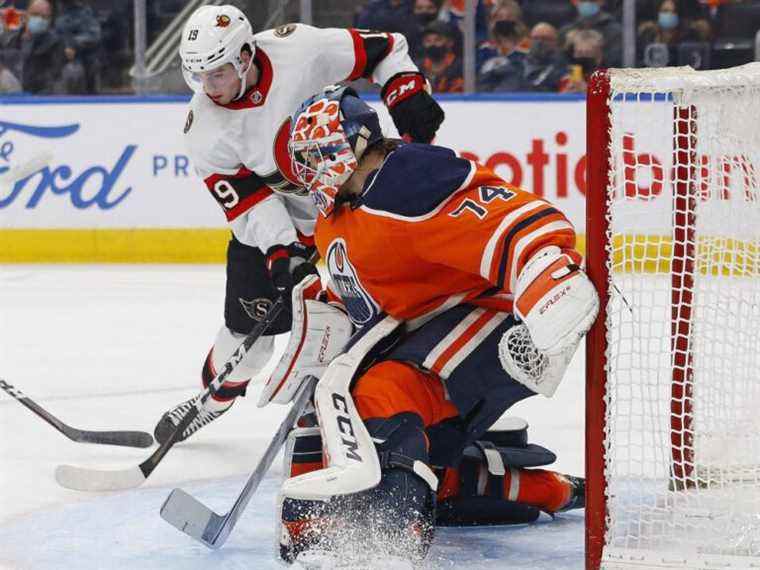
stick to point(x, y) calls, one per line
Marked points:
point(588, 9)
point(540, 51)
point(667, 20)
point(436, 53)
point(424, 18)
point(37, 24)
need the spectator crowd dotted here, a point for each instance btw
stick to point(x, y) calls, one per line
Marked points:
point(50, 48)
point(70, 46)
point(547, 45)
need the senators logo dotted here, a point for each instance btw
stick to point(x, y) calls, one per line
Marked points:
point(257, 309)
point(285, 31)
point(222, 21)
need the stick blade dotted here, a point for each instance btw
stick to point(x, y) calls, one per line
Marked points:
point(81, 479)
point(123, 438)
point(187, 514)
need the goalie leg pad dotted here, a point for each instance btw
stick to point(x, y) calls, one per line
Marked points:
point(319, 333)
point(402, 507)
point(352, 462)
point(394, 518)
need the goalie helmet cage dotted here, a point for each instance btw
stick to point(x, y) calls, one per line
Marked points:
point(673, 361)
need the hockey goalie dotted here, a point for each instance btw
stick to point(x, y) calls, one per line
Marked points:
point(452, 296)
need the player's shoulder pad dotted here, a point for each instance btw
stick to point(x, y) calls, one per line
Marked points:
point(415, 179)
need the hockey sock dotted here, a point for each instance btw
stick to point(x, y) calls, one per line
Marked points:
point(547, 490)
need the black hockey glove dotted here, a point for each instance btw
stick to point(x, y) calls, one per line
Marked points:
point(415, 113)
point(288, 265)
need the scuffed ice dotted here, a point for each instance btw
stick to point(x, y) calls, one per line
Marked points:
point(124, 531)
point(113, 347)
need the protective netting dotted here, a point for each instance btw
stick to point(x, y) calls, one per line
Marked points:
point(682, 431)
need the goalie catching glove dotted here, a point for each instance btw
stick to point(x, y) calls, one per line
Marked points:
point(318, 334)
point(557, 304)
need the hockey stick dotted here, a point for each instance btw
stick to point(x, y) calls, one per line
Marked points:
point(83, 479)
point(189, 515)
point(125, 438)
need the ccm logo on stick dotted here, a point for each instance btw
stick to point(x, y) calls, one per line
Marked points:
point(344, 426)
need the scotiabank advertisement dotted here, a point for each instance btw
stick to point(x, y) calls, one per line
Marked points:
point(121, 163)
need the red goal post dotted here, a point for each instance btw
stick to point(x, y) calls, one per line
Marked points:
point(673, 361)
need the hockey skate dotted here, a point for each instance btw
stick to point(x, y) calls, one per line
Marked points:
point(173, 417)
point(577, 493)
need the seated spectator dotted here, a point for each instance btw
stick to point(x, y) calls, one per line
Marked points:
point(8, 81)
point(34, 52)
point(80, 30)
point(658, 40)
point(441, 63)
point(592, 16)
point(453, 12)
point(505, 71)
point(503, 11)
point(546, 63)
point(586, 55)
point(425, 12)
point(73, 77)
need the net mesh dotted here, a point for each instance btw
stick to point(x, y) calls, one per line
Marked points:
point(682, 430)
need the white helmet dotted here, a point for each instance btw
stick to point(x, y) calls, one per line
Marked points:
point(212, 37)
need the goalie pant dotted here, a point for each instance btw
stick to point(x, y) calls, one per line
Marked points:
point(416, 414)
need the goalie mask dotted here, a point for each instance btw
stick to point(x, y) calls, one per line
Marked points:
point(212, 37)
point(330, 133)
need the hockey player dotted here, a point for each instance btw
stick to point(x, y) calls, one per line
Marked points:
point(236, 132)
point(468, 297)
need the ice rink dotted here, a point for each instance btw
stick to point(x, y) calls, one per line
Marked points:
point(113, 347)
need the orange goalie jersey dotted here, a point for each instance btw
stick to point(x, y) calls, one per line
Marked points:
point(431, 231)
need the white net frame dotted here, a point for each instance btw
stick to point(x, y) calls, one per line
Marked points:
point(682, 326)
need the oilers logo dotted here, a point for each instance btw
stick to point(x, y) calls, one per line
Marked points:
point(361, 307)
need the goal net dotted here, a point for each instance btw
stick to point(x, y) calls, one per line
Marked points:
point(673, 362)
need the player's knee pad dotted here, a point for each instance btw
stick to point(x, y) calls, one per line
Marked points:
point(557, 304)
point(403, 504)
point(225, 344)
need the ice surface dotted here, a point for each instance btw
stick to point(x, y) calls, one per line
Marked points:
point(113, 347)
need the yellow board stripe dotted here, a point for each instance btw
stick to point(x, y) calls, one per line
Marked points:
point(189, 245)
point(631, 253)
point(714, 255)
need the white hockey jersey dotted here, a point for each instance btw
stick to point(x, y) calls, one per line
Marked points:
point(240, 149)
